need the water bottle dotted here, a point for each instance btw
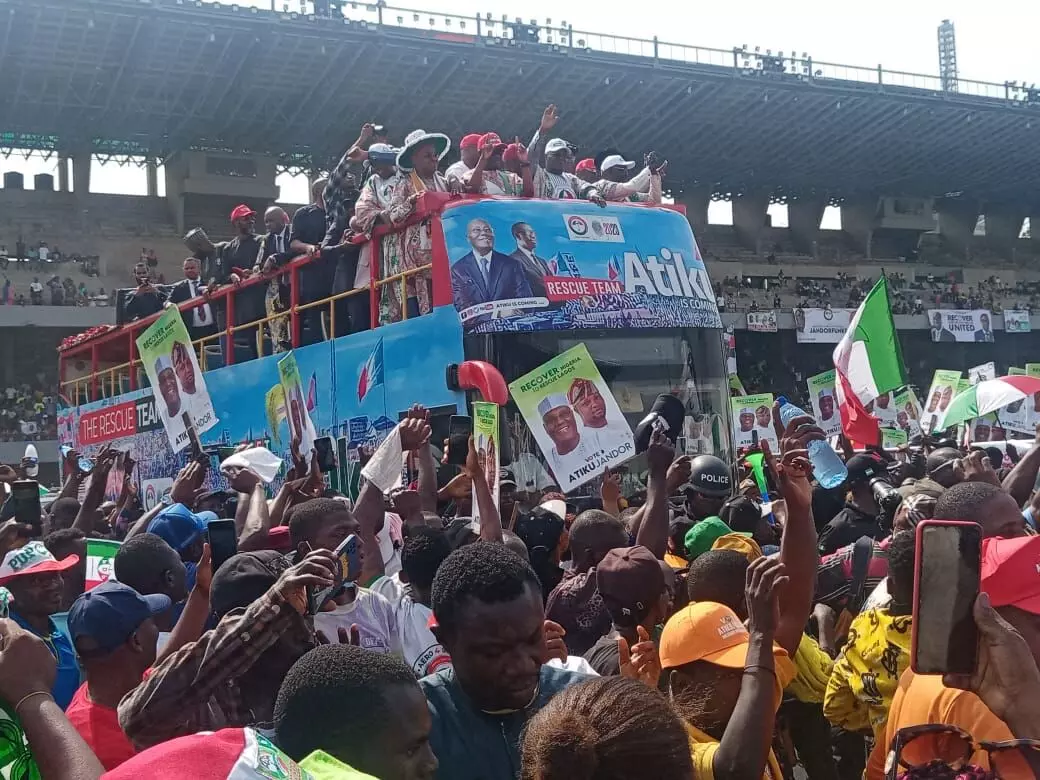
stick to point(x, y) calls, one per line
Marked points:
point(32, 460)
point(828, 468)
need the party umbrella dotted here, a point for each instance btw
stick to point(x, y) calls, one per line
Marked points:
point(988, 396)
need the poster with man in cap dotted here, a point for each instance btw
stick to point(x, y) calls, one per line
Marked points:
point(821, 394)
point(181, 397)
point(750, 420)
point(573, 417)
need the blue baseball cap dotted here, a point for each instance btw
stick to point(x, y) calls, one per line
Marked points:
point(178, 526)
point(109, 613)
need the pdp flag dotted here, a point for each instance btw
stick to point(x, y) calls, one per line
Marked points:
point(867, 363)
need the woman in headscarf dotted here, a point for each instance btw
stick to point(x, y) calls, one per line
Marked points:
point(417, 160)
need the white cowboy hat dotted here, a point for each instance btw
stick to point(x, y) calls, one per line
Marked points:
point(417, 138)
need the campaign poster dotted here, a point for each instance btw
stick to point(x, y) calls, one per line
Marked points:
point(762, 321)
point(753, 420)
point(908, 411)
point(883, 409)
point(986, 429)
point(982, 372)
point(485, 439)
point(173, 372)
point(821, 326)
point(153, 490)
point(824, 402)
point(950, 325)
point(893, 438)
point(301, 427)
point(573, 417)
point(1017, 321)
point(525, 265)
point(943, 389)
point(101, 554)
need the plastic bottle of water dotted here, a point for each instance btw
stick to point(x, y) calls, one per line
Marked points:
point(828, 467)
point(32, 460)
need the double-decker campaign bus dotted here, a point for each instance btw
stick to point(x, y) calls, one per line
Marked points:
point(512, 282)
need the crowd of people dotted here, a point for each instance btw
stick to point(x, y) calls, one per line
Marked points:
point(376, 185)
point(689, 627)
point(39, 256)
point(29, 412)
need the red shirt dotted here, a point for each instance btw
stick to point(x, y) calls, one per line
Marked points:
point(99, 727)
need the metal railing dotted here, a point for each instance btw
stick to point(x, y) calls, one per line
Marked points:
point(103, 382)
point(512, 30)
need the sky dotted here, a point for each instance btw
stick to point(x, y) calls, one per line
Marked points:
point(995, 42)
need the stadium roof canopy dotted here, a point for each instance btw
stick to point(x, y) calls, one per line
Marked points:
point(157, 76)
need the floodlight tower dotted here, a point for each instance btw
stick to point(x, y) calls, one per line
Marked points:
point(947, 56)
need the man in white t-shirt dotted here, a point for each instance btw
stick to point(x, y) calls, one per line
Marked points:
point(409, 594)
point(469, 150)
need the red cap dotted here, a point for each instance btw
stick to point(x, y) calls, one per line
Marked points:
point(493, 139)
point(1011, 572)
point(512, 152)
point(588, 164)
point(241, 211)
point(471, 141)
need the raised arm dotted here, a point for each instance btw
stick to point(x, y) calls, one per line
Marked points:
point(653, 529)
point(258, 521)
point(798, 547)
point(490, 519)
point(1020, 480)
point(474, 180)
point(95, 494)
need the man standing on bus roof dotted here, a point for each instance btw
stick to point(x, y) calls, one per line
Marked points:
point(645, 187)
point(600, 432)
point(166, 378)
point(556, 179)
point(568, 451)
point(484, 274)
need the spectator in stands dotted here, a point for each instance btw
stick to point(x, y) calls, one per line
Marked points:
point(417, 160)
point(146, 299)
point(200, 320)
point(57, 291)
point(315, 278)
point(43, 252)
point(469, 150)
point(36, 291)
point(5, 294)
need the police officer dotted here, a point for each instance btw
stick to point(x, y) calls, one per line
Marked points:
point(710, 484)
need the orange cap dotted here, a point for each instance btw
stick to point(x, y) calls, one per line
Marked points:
point(744, 545)
point(704, 631)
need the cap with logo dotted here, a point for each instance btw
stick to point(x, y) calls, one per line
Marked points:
point(494, 140)
point(33, 558)
point(470, 141)
point(616, 161)
point(178, 526)
point(382, 154)
point(557, 145)
point(241, 211)
point(512, 153)
point(864, 467)
point(588, 165)
point(109, 613)
point(630, 582)
point(1011, 572)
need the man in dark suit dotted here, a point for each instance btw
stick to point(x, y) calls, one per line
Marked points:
point(984, 333)
point(483, 275)
point(535, 268)
point(200, 321)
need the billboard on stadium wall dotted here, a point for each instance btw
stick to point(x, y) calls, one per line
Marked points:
point(963, 325)
point(821, 326)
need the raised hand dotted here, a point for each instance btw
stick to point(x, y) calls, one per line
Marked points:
point(643, 661)
point(549, 119)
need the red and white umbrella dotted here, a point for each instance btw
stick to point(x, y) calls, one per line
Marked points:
point(988, 396)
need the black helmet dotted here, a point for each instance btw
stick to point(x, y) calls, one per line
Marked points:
point(710, 475)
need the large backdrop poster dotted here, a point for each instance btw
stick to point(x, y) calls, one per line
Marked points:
point(949, 325)
point(762, 321)
point(821, 326)
point(573, 417)
point(173, 371)
point(523, 265)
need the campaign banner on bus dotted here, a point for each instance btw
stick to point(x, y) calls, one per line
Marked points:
point(943, 389)
point(301, 428)
point(753, 420)
point(949, 325)
point(821, 326)
point(573, 417)
point(1017, 321)
point(485, 439)
point(824, 404)
point(762, 321)
point(182, 399)
point(525, 265)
